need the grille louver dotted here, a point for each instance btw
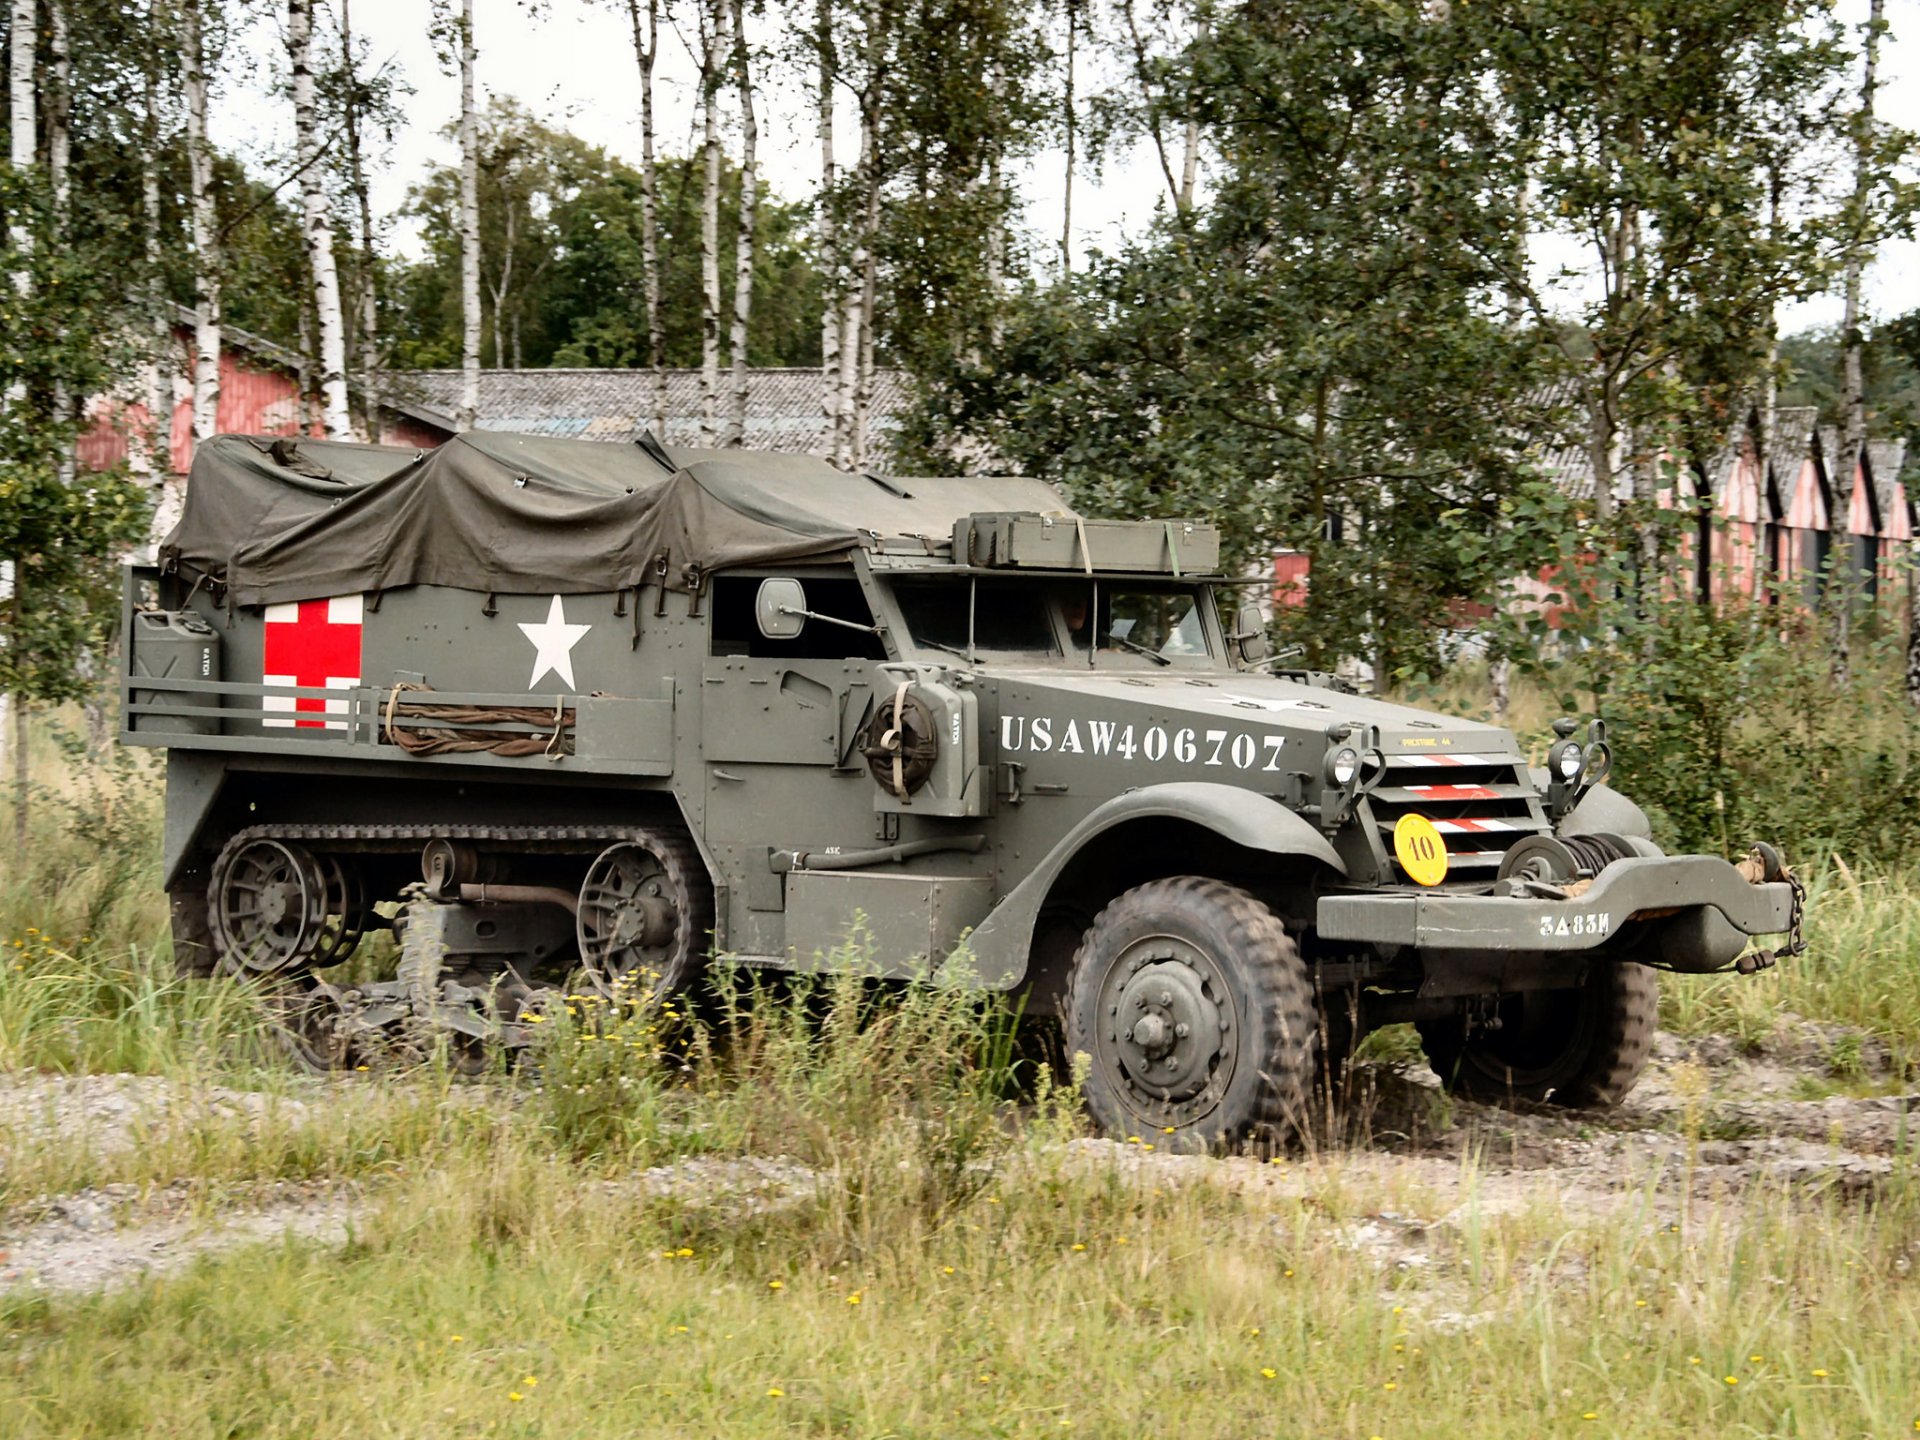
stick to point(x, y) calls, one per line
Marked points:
point(1481, 804)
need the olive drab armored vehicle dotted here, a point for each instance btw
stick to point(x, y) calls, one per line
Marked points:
point(561, 712)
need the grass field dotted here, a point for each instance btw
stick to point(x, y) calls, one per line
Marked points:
point(838, 1223)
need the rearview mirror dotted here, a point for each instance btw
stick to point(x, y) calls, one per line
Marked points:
point(780, 608)
point(1250, 634)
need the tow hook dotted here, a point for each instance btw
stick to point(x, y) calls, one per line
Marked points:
point(1765, 865)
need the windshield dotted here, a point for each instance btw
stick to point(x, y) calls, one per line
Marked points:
point(1010, 616)
point(1138, 623)
point(1137, 618)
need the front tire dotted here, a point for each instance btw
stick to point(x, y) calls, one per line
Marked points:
point(1582, 1048)
point(1194, 1009)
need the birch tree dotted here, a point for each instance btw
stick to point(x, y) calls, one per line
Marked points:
point(318, 225)
point(1070, 131)
point(23, 128)
point(469, 227)
point(646, 51)
point(743, 242)
point(368, 297)
point(1844, 577)
point(60, 180)
point(833, 315)
point(714, 18)
point(148, 443)
point(194, 59)
point(1645, 126)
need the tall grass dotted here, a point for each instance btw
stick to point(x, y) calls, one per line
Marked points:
point(507, 1291)
point(829, 1206)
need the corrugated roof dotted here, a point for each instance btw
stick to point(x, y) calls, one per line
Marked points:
point(784, 410)
point(1789, 446)
point(1886, 457)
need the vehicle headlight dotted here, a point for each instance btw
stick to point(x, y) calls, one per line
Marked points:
point(1566, 760)
point(1342, 765)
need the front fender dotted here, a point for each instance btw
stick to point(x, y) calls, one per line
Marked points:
point(1002, 941)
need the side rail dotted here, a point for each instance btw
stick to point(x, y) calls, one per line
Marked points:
point(172, 694)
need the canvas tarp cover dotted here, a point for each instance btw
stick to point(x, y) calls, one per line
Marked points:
point(277, 520)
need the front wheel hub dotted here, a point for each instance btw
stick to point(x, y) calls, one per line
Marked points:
point(1167, 1028)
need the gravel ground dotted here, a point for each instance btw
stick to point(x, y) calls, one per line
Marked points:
point(1709, 1118)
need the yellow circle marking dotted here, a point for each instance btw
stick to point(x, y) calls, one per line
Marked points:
point(1418, 847)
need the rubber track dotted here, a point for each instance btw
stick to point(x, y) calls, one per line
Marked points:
point(1282, 987)
point(683, 858)
point(398, 839)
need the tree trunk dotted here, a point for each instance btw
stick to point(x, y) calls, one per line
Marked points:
point(833, 307)
point(1072, 129)
point(371, 398)
point(1190, 158)
point(23, 128)
point(60, 181)
point(646, 49)
point(713, 26)
point(149, 448)
point(1500, 687)
point(868, 280)
point(743, 239)
point(23, 122)
point(1603, 438)
point(335, 422)
point(1913, 624)
point(469, 230)
point(1843, 576)
point(206, 232)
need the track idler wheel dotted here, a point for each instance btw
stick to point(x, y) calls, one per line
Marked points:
point(268, 907)
point(275, 907)
point(646, 909)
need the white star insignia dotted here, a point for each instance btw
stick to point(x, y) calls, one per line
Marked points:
point(553, 641)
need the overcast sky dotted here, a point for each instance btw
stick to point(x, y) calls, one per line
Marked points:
point(571, 63)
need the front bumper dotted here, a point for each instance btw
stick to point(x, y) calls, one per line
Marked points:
point(1686, 912)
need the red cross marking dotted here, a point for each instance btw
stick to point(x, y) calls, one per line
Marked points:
point(312, 643)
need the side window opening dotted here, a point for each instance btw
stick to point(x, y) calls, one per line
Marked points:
point(736, 632)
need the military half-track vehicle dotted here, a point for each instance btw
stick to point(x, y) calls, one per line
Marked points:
point(563, 712)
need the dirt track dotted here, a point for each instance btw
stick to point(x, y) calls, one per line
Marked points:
point(1708, 1119)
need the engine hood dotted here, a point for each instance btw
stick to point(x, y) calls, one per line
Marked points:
point(1240, 729)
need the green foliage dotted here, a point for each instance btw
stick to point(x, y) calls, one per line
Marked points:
point(1686, 141)
point(1315, 359)
point(959, 94)
point(61, 537)
point(1889, 365)
point(561, 278)
point(1730, 727)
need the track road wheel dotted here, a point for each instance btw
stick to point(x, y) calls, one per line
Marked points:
point(1194, 1008)
point(1582, 1048)
point(315, 1025)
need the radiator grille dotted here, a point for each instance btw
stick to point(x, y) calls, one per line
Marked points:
point(1482, 805)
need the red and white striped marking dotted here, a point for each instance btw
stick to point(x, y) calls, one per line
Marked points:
point(1453, 792)
point(1475, 827)
point(1425, 761)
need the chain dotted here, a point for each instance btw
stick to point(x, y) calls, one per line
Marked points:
point(1796, 938)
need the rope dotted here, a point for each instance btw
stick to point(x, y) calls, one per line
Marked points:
point(552, 727)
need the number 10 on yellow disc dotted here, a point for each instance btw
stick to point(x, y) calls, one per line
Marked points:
point(1420, 850)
